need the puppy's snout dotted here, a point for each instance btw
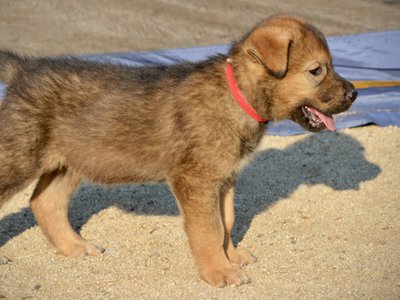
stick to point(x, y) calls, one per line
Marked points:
point(352, 95)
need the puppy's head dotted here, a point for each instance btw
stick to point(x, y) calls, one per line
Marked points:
point(287, 68)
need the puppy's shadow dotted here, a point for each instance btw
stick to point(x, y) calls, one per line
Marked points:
point(333, 159)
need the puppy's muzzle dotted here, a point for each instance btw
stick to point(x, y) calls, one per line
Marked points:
point(352, 95)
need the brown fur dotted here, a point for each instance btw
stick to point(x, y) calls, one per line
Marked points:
point(65, 119)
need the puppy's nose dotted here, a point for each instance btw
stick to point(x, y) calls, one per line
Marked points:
point(352, 95)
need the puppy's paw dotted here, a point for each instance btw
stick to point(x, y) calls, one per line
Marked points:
point(228, 276)
point(81, 248)
point(241, 256)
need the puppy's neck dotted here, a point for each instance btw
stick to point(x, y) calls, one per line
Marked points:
point(249, 77)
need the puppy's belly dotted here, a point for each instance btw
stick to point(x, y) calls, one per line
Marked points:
point(111, 168)
point(123, 156)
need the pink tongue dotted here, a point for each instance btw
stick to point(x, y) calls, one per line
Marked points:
point(328, 121)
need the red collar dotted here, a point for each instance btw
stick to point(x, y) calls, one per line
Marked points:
point(238, 96)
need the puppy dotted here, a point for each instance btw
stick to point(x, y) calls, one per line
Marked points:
point(191, 125)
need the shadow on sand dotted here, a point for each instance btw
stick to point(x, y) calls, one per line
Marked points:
point(333, 159)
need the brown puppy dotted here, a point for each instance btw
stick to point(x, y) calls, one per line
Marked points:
point(64, 120)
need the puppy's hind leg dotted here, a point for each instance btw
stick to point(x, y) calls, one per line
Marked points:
point(21, 146)
point(17, 171)
point(19, 164)
point(49, 204)
point(9, 186)
point(12, 180)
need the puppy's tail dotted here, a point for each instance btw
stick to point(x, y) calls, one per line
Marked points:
point(10, 65)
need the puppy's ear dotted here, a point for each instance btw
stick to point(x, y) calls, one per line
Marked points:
point(269, 46)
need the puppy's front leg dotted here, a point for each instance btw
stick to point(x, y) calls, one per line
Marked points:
point(240, 256)
point(200, 204)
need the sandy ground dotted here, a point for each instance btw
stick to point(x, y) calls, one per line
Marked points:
point(320, 211)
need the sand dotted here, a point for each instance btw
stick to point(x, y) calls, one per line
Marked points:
point(320, 211)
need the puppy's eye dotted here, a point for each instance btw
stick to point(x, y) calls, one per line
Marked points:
point(316, 72)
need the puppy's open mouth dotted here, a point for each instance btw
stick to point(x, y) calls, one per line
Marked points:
point(317, 119)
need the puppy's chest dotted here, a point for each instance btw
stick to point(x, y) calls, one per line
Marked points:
point(249, 140)
point(247, 149)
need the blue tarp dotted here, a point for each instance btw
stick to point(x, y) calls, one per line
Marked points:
point(369, 56)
